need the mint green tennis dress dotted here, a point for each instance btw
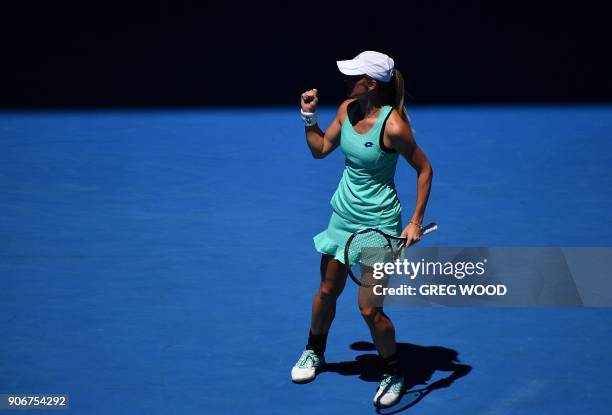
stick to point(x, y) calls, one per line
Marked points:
point(366, 196)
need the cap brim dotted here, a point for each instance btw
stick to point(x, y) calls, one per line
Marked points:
point(349, 67)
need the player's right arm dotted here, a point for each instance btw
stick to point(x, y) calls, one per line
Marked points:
point(321, 144)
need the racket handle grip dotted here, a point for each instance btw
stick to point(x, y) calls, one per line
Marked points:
point(430, 227)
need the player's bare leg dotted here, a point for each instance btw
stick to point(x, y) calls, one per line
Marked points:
point(333, 280)
point(383, 336)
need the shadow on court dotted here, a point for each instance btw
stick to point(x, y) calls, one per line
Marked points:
point(419, 364)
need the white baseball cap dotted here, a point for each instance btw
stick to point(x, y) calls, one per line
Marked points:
point(374, 64)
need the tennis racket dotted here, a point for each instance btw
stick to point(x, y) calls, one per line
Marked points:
point(369, 246)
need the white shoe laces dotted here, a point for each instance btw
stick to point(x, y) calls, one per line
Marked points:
point(392, 384)
point(307, 360)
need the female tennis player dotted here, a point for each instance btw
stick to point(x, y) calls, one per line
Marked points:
point(373, 129)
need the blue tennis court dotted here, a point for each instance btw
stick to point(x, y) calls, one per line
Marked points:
point(161, 261)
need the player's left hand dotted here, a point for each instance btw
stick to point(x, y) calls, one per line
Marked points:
point(412, 233)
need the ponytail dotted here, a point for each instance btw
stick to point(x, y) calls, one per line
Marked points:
point(393, 94)
point(397, 94)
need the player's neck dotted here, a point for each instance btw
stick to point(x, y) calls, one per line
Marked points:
point(369, 106)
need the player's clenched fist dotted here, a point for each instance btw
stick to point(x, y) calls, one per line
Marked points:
point(310, 100)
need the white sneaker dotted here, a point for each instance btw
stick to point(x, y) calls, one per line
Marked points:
point(306, 367)
point(390, 391)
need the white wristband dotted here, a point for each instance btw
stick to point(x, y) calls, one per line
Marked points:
point(309, 118)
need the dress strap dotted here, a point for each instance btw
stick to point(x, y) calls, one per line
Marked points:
point(381, 141)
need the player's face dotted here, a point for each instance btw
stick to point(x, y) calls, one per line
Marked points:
point(356, 85)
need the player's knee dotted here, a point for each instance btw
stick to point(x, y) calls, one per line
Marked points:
point(368, 313)
point(329, 291)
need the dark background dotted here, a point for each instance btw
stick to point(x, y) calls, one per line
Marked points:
point(181, 53)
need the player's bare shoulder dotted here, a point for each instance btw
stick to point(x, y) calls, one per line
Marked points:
point(396, 126)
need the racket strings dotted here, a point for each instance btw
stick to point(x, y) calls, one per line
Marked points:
point(371, 247)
